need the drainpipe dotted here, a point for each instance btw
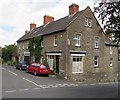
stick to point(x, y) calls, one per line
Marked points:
point(66, 75)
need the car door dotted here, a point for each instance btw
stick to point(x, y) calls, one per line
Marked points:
point(31, 67)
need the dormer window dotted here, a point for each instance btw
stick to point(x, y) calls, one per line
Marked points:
point(88, 22)
point(55, 40)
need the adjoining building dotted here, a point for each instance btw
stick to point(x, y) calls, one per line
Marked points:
point(76, 44)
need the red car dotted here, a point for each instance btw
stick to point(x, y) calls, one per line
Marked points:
point(37, 68)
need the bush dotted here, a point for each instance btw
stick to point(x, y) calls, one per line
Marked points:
point(11, 63)
point(45, 62)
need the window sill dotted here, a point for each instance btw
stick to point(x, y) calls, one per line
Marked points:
point(55, 45)
point(96, 66)
point(88, 26)
point(77, 72)
point(77, 45)
point(96, 47)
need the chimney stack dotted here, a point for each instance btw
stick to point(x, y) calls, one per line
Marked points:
point(73, 8)
point(48, 19)
point(32, 26)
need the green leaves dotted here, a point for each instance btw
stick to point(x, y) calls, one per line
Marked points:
point(109, 14)
point(35, 48)
point(8, 52)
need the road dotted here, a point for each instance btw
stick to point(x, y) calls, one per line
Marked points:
point(19, 84)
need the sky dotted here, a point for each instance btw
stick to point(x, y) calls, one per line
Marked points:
point(16, 15)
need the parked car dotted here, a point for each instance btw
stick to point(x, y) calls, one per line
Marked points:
point(37, 68)
point(21, 65)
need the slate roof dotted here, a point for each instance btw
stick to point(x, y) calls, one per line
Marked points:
point(55, 26)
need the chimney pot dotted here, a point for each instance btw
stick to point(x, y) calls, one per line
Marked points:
point(73, 8)
point(32, 26)
point(48, 19)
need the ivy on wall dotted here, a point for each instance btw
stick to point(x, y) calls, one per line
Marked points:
point(35, 48)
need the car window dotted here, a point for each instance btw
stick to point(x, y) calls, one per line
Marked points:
point(37, 65)
point(33, 64)
point(22, 62)
point(42, 66)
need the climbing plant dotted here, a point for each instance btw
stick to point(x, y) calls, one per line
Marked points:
point(35, 48)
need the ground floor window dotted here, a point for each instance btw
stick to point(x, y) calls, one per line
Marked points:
point(111, 61)
point(51, 61)
point(77, 64)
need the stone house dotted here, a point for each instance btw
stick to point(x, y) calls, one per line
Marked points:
point(76, 44)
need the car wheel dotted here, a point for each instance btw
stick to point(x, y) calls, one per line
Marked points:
point(35, 73)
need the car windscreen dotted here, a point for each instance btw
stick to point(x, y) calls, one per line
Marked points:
point(42, 66)
point(23, 62)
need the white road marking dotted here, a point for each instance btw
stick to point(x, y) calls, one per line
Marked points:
point(10, 91)
point(30, 81)
point(36, 88)
point(59, 84)
point(23, 89)
point(45, 87)
point(42, 85)
point(12, 73)
point(72, 84)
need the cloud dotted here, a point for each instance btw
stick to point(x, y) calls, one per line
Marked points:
point(16, 15)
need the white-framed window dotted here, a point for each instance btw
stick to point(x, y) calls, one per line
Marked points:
point(111, 61)
point(96, 60)
point(96, 42)
point(88, 22)
point(50, 61)
point(55, 40)
point(111, 50)
point(42, 44)
point(77, 66)
point(77, 40)
point(23, 47)
point(27, 46)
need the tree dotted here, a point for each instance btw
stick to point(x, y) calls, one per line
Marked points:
point(35, 48)
point(109, 14)
point(8, 52)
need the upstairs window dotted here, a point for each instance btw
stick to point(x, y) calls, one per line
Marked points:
point(111, 50)
point(88, 22)
point(23, 47)
point(27, 47)
point(55, 41)
point(77, 40)
point(96, 42)
point(111, 61)
point(96, 61)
